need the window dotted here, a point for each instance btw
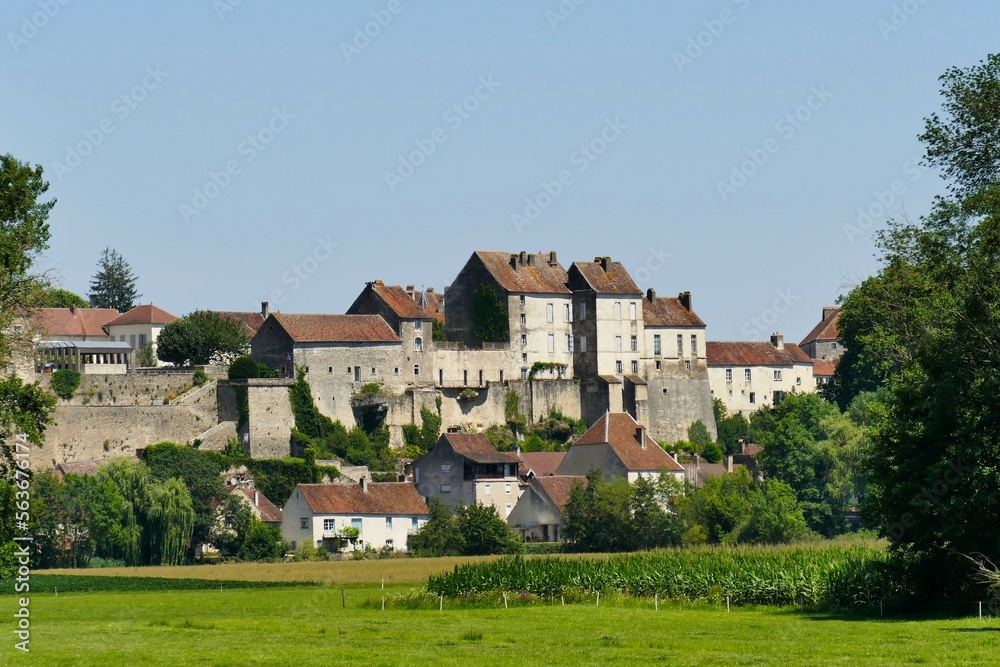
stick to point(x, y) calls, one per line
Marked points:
point(635, 344)
point(481, 378)
point(618, 310)
point(304, 524)
point(729, 375)
point(833, 346)
point(389, 544)
point(465, 378)
point(507, 490)
point(694, 345)
point(329, 369)
point(509, 508)
point(416, 369)
point(524, 358)
point(373, 370)
point(618, 343)
point(656, 345)
point(521, 300)
point(445, 467)
point(396, 371)
point(635, 366)
point(569, 342)
point(487, 489)
point(356, 523)
point(618, 366)
point(680, 345)
point(329, 525)
point(746, 374)
point(524, 339)
point(418, 344)
point(349, 370)
point(446, 488)
point(142, 341)
point(501, 377)
point(121, 339)
point(524, 320)
point(413, 523)
point(583, 310)
point(631, 310)
point(753, 398)
point(549, 312)
point(388, 523)
point(524, 374)
point(357, 373)
point(568, 312)
point(131, 341)
point(798, 382)
point(658, 364)
point(687, 364)
point(441, 377)
point(583, 343)
point(552, 342)
point(777, 375)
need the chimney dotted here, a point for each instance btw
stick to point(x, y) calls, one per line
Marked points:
point(552, 258)
point(430, 290)
point(265, 309)
point(605, 262)
point(778, 341)
point(641, 434)
point(739, 446)
point(522, 258)
point(256, 498)
point(72, 309)
point(829, 310)
point(513, 262)
point(651, 294)
point(697, 462)
point(729, 462)
point(685, 299)
point(364, 484)
point(531, 259)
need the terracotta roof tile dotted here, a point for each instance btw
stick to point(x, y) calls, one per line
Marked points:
point(399, 301)
point(668, 312)
point(430, 302)
point(54, 322)
point(251, 321)
point(614, 280)
point(824, 368)
point(542, 278)
point(827, 328)
point(269, 512)
point(619, 430)
point(336, 328)
point(542, 463)
point(558, 488)
point(147, 314)
point(382, 498)
point(746, 353)
point(477, 447)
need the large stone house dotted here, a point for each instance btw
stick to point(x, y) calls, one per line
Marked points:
point(618, 446)
point(466, 468)
point(824, 346)
point(747, 376)
point(139, 326)
point(383, 514)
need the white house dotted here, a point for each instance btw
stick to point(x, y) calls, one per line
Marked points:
point(384, 514)
point(747, 376)
point(139, 326)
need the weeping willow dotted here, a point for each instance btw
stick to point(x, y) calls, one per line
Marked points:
point(169, 522)
point(132, 479)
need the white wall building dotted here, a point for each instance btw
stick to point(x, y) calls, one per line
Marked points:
point(747, 376)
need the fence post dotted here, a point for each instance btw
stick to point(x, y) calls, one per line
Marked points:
point(383, 603)
point(441, 608)
point(598, 598)
point(343, 598)
point(563, 598)
point(980, 610)
point(505, 600)
point(656, 601)
point(727, 603)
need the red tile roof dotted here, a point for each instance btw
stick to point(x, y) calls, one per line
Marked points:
point(542, 463)
point(742, 353)
point(615, 280)
point(558, 488)
point(382, 498)
point(148, 314)
point(668, 312)
point(826, 329)
point(431, 304)
point(269, 513)
point(336, 328)
point(619, 431)
point(477, 447)
point(399, 301)
point(250, 321)
point(55, 322)
point(542, 278)
point(824, 368)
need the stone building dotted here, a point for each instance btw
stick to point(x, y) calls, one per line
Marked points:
point(747, 376)
point(619, 446)
point(823, 341)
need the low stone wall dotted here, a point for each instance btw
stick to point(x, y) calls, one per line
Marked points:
point(124, 390)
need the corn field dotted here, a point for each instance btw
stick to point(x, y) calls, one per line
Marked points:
point(832, 576)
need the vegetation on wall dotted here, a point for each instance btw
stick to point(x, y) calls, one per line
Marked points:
point(421, 439)
point(65, 382)
point(489, 315)
point(438, 332)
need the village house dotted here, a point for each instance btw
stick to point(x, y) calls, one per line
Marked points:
point(137, 327)
point(747, 376)
point(466, 468)
point(250, 320)
point(262, 508)
point(824, 346)
point(352, 517)
point(619, 446)
point(697, 471)
point(540, 513)
point(539, 464)
point(75, 338)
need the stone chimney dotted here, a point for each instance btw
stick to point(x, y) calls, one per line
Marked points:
point(552, 258)
point(697, 462)
point(265, 309)
point(651, 294)
point(256, 498)
point(430, 290)
point(522, 258)
point(685, 299)
point(640, 433)
point(364, 484)
point(605, 262)
point(778, 341)
point(729, 462)
point(531, 259)
point(72, 309)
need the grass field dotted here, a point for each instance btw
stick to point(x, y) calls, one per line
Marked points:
point(308, 626)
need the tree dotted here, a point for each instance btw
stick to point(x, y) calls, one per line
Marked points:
point(421, 439)
point(202, 337)
point(113, 286)
point(438, 332)
point(145, 356)
point(484, 532)
point(61, 298)
point(489, 315)
point(440, 536)
point(731, 428)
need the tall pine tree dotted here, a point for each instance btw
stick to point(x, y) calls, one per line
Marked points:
point(113, 286)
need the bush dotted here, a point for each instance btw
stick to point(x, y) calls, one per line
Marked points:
point(200, 378)
point(64, 383)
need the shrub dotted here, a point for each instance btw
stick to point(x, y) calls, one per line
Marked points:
point(65, 383)
point(200, 377)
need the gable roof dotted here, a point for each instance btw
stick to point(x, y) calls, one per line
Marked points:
point(542, 277)
point(668, 312)
point(336, 328)
point(541, 463)
point(620, 431)
point(73, 321)
point(381, 498)
point(748, 353)
point(477, 448)
point(824, 368)
point(430, 302)
point(147, 314)
point(269, 512)
point(250, 321)
point(607, 277)
point(827, 328)
point(394, 297)
point(558, 488)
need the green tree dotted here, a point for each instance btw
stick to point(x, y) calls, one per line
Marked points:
point(438, 332)
point(731, 428)
point(202, 337)
point(145, 356)
point(489, 315)
point(421, 439)
point(440, 536)
point(61, 298)
point(484, 532)
point(113, 286)
point(262, 542)
point(170, 521)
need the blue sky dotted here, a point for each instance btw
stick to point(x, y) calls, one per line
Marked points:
point(236, 152)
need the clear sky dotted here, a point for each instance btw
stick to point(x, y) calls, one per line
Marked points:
point(241, 151)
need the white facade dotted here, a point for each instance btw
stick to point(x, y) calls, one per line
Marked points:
point(541, 330)
point(136, 335)
point(746, 389)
